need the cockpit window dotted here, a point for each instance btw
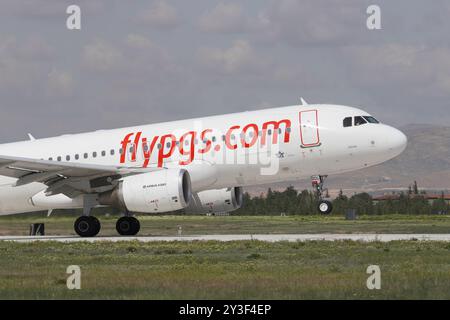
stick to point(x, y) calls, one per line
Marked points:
point(371, 119)
point(348, 122)
point(359, 121)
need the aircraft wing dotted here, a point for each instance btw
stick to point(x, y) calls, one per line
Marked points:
point(71, 179)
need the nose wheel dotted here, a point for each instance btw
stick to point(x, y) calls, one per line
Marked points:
point(128, 226)
point(324, 206)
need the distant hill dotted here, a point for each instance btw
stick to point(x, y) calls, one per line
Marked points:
point(426, 159)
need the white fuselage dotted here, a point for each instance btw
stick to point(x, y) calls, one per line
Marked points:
point(239, 149)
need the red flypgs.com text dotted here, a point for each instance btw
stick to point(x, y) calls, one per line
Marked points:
point(202, 142)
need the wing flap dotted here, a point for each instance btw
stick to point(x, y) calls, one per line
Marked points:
point(69, 178)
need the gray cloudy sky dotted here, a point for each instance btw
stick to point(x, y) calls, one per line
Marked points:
point(136, 62)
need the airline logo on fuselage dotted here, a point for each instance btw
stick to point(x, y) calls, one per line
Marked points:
point(166, 146)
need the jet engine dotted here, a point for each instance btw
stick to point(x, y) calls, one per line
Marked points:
point(216, 201)
point(158, 191)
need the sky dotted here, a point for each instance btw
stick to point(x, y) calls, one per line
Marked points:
point(138, 62)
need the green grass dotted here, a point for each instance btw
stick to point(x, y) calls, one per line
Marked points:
point(193, 225)
point(231, 270)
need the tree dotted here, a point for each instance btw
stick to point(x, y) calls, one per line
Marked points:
point(440, 206)
point(340, 204)
point(415, 188)
point(362, 202)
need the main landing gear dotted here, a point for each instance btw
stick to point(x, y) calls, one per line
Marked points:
point(128, 226)
point(324, 206)
point(89, 226)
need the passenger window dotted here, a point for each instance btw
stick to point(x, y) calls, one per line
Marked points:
point(112, 152)
point(77, 156)
point(103, 153)
point(85, 155)
point(359, 121)
point(67, 158)
point(50, 159)
point(59, 159)
point(94, 154)
point(347, 122)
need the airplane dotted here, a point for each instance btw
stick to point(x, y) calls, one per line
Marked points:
point(200, 165)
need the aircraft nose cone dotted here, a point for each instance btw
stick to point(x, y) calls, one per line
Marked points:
point(397, 141)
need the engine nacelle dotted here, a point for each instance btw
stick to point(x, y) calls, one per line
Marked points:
point(216, 201)
point(159, 191)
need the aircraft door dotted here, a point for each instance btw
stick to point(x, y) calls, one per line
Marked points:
point(309, 128)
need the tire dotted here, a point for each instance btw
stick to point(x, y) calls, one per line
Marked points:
point(128, 226)
point(325, 207)
point(136, 226)
point(97, 225)
point(87, 226)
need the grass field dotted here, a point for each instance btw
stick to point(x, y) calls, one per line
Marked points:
point(195, 225)
point(232, 270)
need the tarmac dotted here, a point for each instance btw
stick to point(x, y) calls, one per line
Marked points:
point(230, 237)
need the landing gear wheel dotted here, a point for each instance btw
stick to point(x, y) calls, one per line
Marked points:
point(136, 226)
point(325, 207)
point(87, 226)
point(97, 225)
point(128, 226)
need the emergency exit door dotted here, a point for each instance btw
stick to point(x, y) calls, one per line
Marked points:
point(309, 128)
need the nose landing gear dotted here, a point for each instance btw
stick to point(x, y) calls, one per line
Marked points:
point(324, 206)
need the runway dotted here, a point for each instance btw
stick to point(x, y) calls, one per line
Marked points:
point(228, 237)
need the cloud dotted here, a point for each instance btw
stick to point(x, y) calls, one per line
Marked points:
point(311, 22)
point(23, 62)
point(224, 18)
point(101, 56)
point(45, 9)
point(401, 79)
point(138, 41)
point(142, 53)
point(238, 58)
point(233, 53)
point(60, 83)
point(390, 63)
point(132, 63)
point(160, 15)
